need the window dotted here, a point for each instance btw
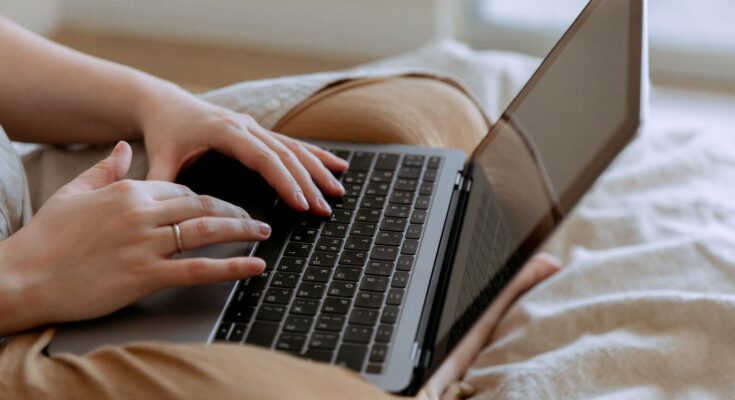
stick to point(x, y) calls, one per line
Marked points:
point(692, 40)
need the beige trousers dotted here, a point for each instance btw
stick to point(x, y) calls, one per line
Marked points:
point(399, 110)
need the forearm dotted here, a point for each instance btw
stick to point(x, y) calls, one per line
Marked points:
point(18, 307)
point(52, 94)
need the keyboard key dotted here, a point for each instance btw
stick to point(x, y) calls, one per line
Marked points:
point(351, 356)
point(358, 334)
point(393, 224)
point(238, 332)
point(323, 340)
point(373, 283)
point(271, 312)
point(395, 297)
point(290, 264)
point(257, 282)
point(311, 290)
point(398, 210)
point(308, 222)
point(387, 161)
point(405, 198)
point(388, 238)
point(390, 315)
point(363, 229)
point(354, 258)
point(414, 231)
point(414, 161)
point(368, 215)
point(422, 203)
point(410, 247)
point(363, 316)
point(374, 369)
point(341, 216)
point(342, 289)
point(291, 342)
point(361, 161)
point(262, 333)
point(406, 185)
point(298, 324)
point(334, 230)
point(354, 177)
point(304, 307)
point(239, 314)
point(377, 189)
point(315, 274)
point(409, 172)
point(378, 353)
point(344, 203)
point(343, 154)
point(277, 296)
point(400, 279)
point(404, 263)
point(318, 355)
point(285, 280)
point(304, 235)
point(426, 189)
point(369, 299)
point(247, 298)
point(358, 243)
point(329, 245)
point(335, 305)
point(381, 268)
point(385, 253)
point(374, 202)
point(430, 175)
point(345, 273)
point(382, 176)
point(418, 217)
point(331, 323)
point(323, 259)
point(354, 189)
point(384, 333)
point(270, 249)
point(223, 331)
point(297, 250)
point(434, 162)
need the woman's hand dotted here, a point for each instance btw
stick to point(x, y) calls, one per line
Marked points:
point(534, 272)
point(101, 243)
point(178, 128)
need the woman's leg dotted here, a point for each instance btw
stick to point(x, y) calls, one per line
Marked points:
point(399, 110)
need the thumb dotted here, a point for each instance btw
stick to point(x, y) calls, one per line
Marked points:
point(108, 171)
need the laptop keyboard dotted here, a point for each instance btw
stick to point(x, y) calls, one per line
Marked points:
point(333, 287)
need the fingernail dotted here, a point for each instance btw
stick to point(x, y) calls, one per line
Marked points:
point(323, 204)
point(338, 185)
point(118, 147)
point(302, 200)
point(264, 229)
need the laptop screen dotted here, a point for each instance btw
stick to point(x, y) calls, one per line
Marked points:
point(570, 121)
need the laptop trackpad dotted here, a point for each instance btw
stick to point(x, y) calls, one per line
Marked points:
point(176, 315)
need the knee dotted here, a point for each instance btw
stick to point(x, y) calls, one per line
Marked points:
point(413, 110)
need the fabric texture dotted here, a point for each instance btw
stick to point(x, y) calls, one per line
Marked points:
point(162, 371)
point(15, 208)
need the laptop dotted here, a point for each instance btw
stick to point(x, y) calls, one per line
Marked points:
point(424, 239)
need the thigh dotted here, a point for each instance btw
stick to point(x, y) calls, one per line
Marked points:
point(165, 371)
point(408, 110)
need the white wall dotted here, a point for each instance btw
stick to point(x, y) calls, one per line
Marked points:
point(333, 28)
point(40, 16)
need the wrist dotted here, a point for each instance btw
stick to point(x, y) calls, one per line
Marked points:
point(18, 304)
point(153, 95)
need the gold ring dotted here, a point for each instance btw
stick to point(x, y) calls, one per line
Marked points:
point(177, 236)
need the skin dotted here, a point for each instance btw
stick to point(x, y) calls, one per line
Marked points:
point(118, 248)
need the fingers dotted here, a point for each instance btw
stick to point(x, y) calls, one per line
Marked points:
point(332, 162)
point(205, 231)
point(201, 271)
point(162, 168)
point(316, 168)
point(317, 202)
point(108, 171)
point(162, 191)
point(185, 208)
